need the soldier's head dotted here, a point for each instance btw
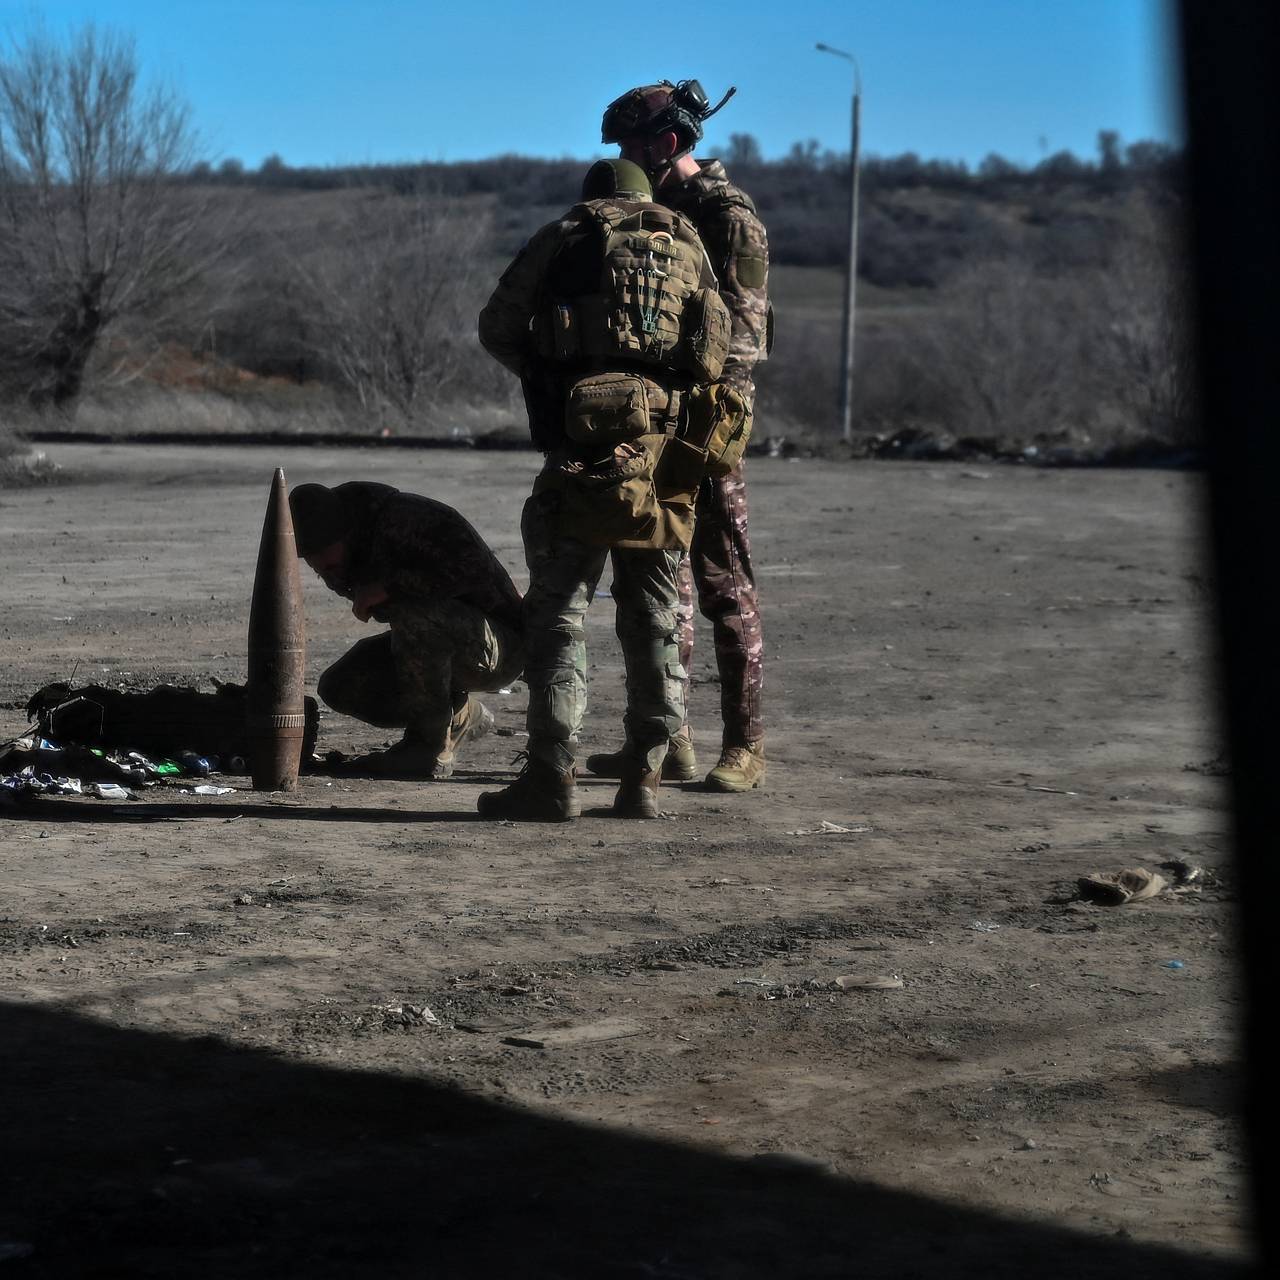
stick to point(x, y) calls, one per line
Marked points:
point(616, 180)
point(656, 126)
point(321, 523)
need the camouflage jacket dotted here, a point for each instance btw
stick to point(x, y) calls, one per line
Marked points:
point(504, 328)
point(420, 549)
point(735, 239)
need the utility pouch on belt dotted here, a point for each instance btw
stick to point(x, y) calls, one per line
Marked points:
point(706, 324)
point(605, 501)
point(719, 422)
point(607, 407)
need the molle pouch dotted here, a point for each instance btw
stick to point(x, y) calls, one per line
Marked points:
point(679, 471)
point(607, 407)
point(719, 421)
point(555, 333)
point(564, 332)
point(610, 500)
point(705, 324)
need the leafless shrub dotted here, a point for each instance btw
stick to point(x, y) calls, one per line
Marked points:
point(1147, 342)
point(797, 386)
point(93, 226)
point(1006, 351)
point(391, 299)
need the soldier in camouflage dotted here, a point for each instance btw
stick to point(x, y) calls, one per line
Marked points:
point(551, 294)
point(453, 615)
point(656, 127)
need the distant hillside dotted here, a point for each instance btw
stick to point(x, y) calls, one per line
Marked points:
point(1009, 304)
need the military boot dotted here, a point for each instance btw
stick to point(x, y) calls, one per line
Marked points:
point(679, 766)
point(409, 759)
point(740, 768)
point(473, 721)
point(638, 795)
point(541, 793)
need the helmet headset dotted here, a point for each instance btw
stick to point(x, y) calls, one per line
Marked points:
point(652, 110)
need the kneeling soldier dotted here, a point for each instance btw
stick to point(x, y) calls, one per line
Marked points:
point(453, 615)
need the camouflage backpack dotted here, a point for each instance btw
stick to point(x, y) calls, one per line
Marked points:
point(633, 283)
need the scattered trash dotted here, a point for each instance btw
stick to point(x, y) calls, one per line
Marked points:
point(877, 982)
point(28, 781)
point(1057, 791)
point(408, 1015)
point(1189, 877)
point(1030, 1145)
point(206, 789)
point(1175, 964)
point(109, 791)
point(830, 828)
point(1116, 888)
point(755, 982)
point(243, 900)
point(523, 1042)
point(984, 926)
point(169, 724)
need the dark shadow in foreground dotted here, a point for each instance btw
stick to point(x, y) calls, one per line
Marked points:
point(133, 1154)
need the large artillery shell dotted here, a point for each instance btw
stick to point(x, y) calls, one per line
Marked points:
point(274, 707)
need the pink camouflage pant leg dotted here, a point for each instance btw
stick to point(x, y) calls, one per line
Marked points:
point(719, 565)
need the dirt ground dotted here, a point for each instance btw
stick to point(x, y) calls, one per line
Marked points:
point(996, 680)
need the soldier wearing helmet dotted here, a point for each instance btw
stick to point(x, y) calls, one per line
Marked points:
point(657, 126)
point(611, 319)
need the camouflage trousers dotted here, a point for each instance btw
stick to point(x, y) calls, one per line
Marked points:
point(719, 563)
point(563, 574)
point(417, 674)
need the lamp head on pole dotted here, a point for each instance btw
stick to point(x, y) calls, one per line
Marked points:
point(848, 57)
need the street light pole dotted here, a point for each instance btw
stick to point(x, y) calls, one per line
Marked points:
point(851, 268)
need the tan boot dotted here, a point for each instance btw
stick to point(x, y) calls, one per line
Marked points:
point(472, 722)
point(541, 793)
point(740, 768)
point(638, 795)
point(680, 765)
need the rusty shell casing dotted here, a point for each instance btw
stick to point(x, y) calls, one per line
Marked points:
point(274, 708)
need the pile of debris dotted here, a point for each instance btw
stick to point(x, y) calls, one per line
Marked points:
point(103, 742)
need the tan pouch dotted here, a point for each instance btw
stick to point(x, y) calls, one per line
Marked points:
point(607, 501)
point(719, 421)
point(679, 471)
point(607, 407)
point(706, 326)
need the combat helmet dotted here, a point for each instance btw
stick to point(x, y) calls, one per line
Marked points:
point(616, 179)
point(652, 109)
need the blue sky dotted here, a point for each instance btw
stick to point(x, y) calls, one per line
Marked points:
point(321, 82)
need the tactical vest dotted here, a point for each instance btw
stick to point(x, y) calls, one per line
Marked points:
point(632, 283)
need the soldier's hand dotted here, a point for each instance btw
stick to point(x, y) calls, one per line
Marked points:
point(367, 599)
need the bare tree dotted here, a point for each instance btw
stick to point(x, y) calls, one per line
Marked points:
point(92, 225)
point(1148, 341)
point(393, 303)
point(1006, 350)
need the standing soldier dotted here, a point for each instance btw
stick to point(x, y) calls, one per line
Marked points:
point(611, 319)
point(656, 127)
